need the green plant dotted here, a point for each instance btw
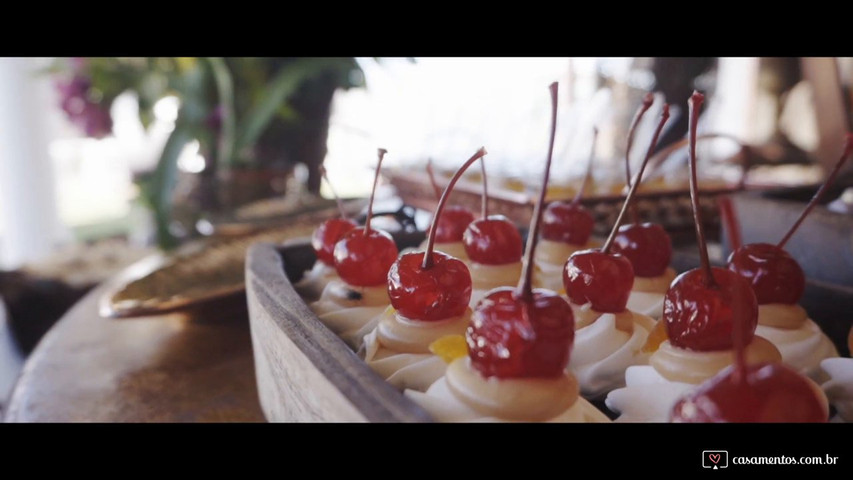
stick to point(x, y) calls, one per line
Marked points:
point(228, 105)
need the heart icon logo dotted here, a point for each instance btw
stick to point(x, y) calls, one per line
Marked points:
point(714, 457)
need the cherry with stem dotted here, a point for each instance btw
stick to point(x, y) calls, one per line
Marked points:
point(775, 276)
point(325, 237)
point(430, 285)
point(455, 218)
point(364, 255)
point(570, 222)
point(521, 332)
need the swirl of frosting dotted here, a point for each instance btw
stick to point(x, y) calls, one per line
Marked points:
point(839, 386)
point(349, 311)
point(398, 348)
point(646, 397)
point(463, 395)
point(487, 277)
point(694, 367)
point(606, 347)
point(312, 284)
point(648, 292)
point(799, 339)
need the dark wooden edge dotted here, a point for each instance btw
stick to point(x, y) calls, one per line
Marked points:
point(375, 398)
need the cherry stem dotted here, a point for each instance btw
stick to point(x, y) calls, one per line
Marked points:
point(648, 100)
point(644, 107)
point(485, 206)
point(525, 285)
point(427, 263)
point(694, 104)
point(382, 153)
point(848, 148)
point(334, 194)
point(664, 116)
point(739, 298)
point(432, 181)
point(588, 175)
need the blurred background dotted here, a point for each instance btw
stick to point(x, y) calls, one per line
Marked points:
point(106, 160)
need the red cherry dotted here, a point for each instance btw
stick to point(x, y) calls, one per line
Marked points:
point(363, 258)
point(605, 280)
point(431, 285)
point(702, 317)
point(441, 291)
point(452, 224)
point(567, 222)
point(647, 246)
point(770, 392)
point(364, 255)
point(327, 235)
point(511, 338)
point(492, 241)
point(773, 273)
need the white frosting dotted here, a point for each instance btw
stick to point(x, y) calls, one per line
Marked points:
point(649, 393)
point(405, 362)
point(647, 396)
point(444, 405)
point(602, 351)
point(647, 293)
point(803, 347)
point(454, 249)
point(839, 387)
point(550, 259)
point(351, 312)
point(314, 281)
point(487, 277)
point(647, 303)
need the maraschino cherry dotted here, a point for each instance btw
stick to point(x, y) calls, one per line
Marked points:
point(492, 239)
point(454, 219)
point(431, 285)
point(774, 274)
point(571, 222)
point(646, 245)
point(329, 232)
point(521, 332)
point(604, 278)
point(364, 255)
point(705, 306)
point(723, 308)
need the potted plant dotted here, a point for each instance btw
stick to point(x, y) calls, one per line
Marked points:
point(252, 117)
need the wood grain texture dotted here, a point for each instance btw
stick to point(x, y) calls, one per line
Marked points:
point(304, 371)
point(194, 366)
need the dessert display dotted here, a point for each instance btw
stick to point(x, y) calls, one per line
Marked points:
point(451, 226)
point(429, 292)
point(598, 283)
point(779, 283)
point(703, 309)
point(323, 242)
point(493, 245)
point(351, 305)
point(518, 349)
point(646, 245)
point(566, 228)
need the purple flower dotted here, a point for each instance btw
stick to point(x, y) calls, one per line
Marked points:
point(93, 118)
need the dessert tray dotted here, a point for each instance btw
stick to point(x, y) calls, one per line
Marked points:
point(305, 372)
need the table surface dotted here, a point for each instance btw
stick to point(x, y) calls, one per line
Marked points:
point(181, 367)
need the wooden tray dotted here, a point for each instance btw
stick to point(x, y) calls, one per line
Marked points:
point(305, 372)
